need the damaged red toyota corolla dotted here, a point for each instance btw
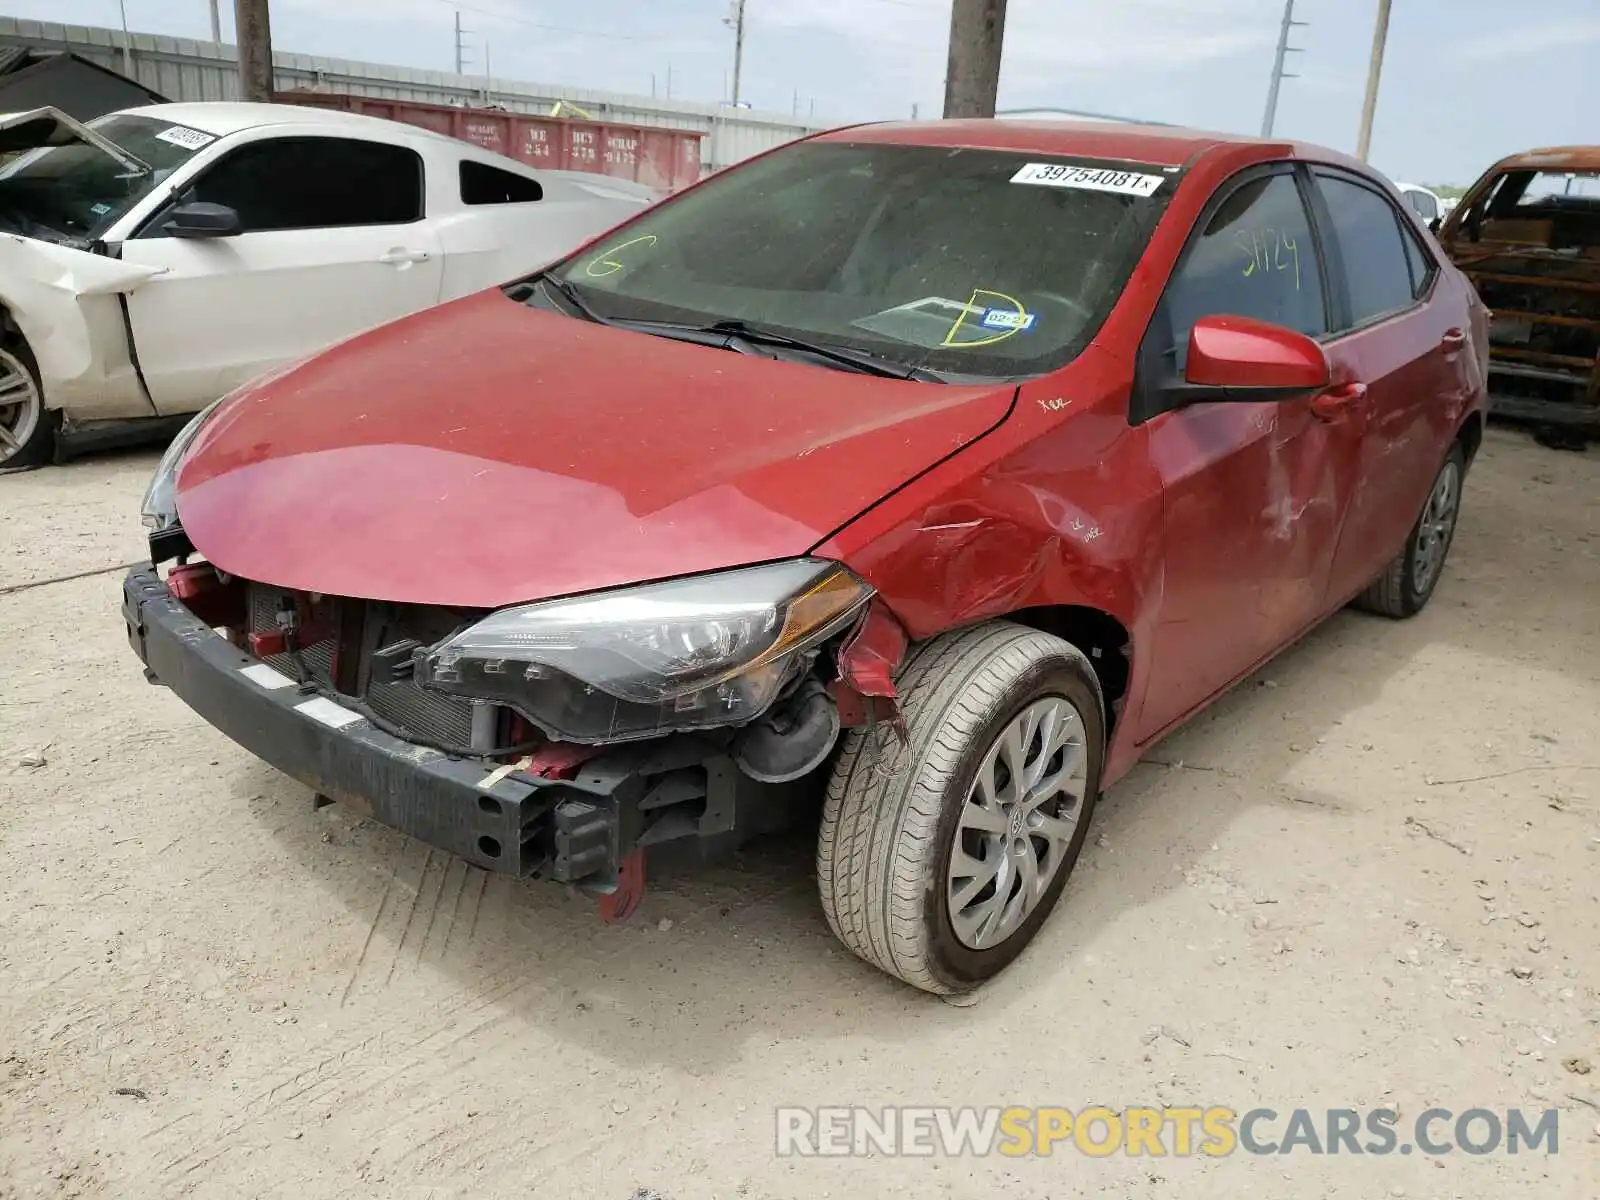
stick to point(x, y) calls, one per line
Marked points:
point(930, 471)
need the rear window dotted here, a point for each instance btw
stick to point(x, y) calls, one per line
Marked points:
point(972, 262)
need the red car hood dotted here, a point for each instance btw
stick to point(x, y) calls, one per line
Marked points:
point(485, 453)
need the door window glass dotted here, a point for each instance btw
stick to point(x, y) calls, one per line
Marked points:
point(1255, 258)
point(315, 183)
point(1421, 261)
point(1366, 230)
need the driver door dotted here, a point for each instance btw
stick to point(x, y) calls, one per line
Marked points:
point(1254, 494)
point(332, 240)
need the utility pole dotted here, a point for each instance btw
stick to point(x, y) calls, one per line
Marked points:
point(1278, 73)
point(737, 21)
point(977, 30)
point(1369, 107)
point(127, 42)
point(253, 33)
point(461, 45)
point(216, 21)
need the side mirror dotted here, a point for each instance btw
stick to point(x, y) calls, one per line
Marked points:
point(1252, 360)
point(1435, 224)
point(202, 219)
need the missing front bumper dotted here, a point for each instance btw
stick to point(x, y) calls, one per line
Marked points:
point(500, 818)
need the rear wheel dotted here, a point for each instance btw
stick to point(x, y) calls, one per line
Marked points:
point(940, 857)
point(27, 430)
point(1407, 583)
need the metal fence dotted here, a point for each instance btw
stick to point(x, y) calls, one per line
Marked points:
point(187, 69)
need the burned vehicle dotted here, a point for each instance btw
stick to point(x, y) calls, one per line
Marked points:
point(1528, 235)
point(926, 474)
point(156, 258)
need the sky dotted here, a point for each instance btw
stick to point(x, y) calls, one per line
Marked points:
point(1464, 81)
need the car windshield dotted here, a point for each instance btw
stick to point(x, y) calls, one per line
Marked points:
point(966, 262)
point(76, 191)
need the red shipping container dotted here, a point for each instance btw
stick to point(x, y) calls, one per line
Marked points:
point(664, 159)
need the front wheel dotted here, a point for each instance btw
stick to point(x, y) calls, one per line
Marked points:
point(27, 432)
point(1407, 583)
point(940, 857)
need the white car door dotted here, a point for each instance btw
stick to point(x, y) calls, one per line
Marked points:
point(331, 238)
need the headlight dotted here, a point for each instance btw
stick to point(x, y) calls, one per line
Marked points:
point(159, 509)
point(696, 653)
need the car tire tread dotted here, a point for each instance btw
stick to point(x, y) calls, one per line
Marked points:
point(879, 848)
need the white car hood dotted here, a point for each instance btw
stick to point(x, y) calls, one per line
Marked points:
point(40, 127)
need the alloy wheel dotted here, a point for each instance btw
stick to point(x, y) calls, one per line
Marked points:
point(1437, 527)
point(21, 405)
point(1018, 821)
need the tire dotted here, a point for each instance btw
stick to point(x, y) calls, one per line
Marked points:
point(27, 428)
point(896, 809)
point(1407, 583)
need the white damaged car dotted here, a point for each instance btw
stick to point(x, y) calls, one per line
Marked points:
point(157, 258)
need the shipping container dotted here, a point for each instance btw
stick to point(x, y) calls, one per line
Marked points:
point(664, 159)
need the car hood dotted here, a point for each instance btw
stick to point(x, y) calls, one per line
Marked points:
point(36, 128)
point(484, 453)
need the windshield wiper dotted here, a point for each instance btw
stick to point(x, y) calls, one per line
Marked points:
point(733, 332)
point(571, 295)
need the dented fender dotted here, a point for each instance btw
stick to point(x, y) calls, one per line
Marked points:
point(65, 303)
point(1058, 507)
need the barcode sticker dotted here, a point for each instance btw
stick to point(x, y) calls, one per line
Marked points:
point(1090, 179)
point(182, 135)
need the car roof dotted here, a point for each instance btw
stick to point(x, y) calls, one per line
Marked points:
point(1554, 158)
point(222, 117)
point(1157, 145)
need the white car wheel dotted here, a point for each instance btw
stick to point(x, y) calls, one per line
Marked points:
point(25, 431)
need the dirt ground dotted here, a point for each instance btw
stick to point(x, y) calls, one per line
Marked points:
point(1326, 893)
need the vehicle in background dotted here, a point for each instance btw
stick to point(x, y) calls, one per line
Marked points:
point(1528, 235)
point(158, 257)
point(833, 478)
point(663, 159)
point(1425, 202)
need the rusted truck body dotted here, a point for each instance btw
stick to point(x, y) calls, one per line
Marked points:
point(1528, 236)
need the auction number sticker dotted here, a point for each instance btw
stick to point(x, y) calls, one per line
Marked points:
point(189, 139)
point(1089, 179)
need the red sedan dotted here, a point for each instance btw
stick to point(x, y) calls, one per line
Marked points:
point(932, 470)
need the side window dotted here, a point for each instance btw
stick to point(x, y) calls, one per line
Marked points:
point(483, 184)
point(1421, 262)
point(1257, 258)
point(1423, 205)
point(1366, 230)
point(316, 183)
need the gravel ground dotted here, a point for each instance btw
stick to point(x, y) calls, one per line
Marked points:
point(1371, 877)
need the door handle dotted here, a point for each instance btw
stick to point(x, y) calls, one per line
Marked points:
point(1453, 340)
point(399, 257)
point(1336, 401)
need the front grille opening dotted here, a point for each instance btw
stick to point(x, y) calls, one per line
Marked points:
point(342, 662)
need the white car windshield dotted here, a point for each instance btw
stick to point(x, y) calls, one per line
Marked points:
point(73, 193)
point(969, 262)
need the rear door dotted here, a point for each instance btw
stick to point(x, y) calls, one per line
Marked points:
point(1253, 493)
point(333, 241)
point(1401, 331)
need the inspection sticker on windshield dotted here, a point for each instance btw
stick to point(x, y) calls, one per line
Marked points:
point(1090, 179)
point(1007, 318)
point(189, 139)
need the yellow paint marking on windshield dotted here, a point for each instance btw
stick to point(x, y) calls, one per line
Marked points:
point(611, 263)
point(972, 302)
